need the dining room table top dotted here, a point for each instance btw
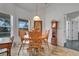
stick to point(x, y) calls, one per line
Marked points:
point(41, 35)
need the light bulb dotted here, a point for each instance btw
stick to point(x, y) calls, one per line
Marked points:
point(36, 18)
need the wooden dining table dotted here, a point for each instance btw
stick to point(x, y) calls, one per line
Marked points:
point(5, 43)
point(33, 39)
point(34, 36)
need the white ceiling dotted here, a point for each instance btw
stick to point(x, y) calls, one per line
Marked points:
point(31, 6)
point(26, 6)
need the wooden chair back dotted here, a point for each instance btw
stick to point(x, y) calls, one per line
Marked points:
point(46, 34)
point(36, 41)
point(35, 35)
point(21, 34)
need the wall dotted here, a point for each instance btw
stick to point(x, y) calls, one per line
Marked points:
point(47, 12)
point(57, 11)
point(16, 12)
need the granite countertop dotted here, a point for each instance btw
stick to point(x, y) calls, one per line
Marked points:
point(5, 40)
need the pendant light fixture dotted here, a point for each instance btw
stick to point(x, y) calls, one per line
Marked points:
point(36, 18)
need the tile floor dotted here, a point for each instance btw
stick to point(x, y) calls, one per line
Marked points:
point(51, 51)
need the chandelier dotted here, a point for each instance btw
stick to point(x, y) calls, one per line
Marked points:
point(36, 18)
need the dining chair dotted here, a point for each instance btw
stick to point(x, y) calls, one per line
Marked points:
point(6, 47)
point(21, 35)
point(36, 43)
point(24, 40)
point(46, 35)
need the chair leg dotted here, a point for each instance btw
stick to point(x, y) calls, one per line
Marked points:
point(30, 51)
point(48, 44)
point(19, 49)
point(9, 52)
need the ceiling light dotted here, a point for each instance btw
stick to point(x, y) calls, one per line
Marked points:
point(36, 18)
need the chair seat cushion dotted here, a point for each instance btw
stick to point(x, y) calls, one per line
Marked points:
point(3, 50)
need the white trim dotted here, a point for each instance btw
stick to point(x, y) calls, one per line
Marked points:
point(11, 20)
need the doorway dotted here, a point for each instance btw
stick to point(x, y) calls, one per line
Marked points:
point(72, 31)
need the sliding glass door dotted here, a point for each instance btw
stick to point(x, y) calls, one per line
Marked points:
point(72, 32)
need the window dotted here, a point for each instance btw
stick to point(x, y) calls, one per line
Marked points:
point(5, 26)
point(23, 24)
